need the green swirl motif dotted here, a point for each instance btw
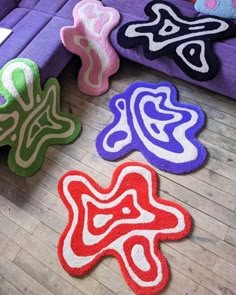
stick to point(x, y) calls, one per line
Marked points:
point(30, 119)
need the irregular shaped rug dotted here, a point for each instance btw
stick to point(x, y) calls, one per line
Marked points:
point(187, 40)
point(89, 38)
point(148, 118)
point(126, 220)
point(30, 118)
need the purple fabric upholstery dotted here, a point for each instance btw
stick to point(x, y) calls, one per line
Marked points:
point(54, 6)
point(24, 32)
point(36, 28)
point(6, 6)
point(28, 3)
point(12, 19)
point(44, 47)
point(224, 82)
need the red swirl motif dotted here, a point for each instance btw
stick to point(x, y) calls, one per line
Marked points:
point(126, 220)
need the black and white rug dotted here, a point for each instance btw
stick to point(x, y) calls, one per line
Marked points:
point(188, 40)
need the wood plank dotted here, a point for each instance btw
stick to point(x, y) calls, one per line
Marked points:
point(7, 289)
point(214, 244)
point(8, 248)
point(221, 129)
point(102, 290)
point(57, 167)
point(179, 283)
point(49, 257)
point(88, 144)
point(47, 236)
point(202, 188)
point(33, 191)
point(47, 180)
point(219, 118)
point(223, 142)
point(206, 238)
point(72, 150)
point(87, 112)
point(216, 180)
point(3, 243)
point(220, 154)
point(207, 292)
point(16, 214)
point(41, 213)
point(214, 210)
point(12, 231)
point(19, 279)
point(226, 270)
point(89, 132)
point(221, 168)
point(231, 236)
point(110, 278)
point(197, 273)
point(43, 275)
point(195, 252)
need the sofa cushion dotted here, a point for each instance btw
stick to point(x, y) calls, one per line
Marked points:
point(48, 52)
point(32, 34)
point(53, 8)
point(28, 3)
point(14, 17)
point(7, 6)
point(42, 5)
point(23, 33)
point(66, 10)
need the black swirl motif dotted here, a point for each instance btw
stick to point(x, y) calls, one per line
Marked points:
point(188, 40)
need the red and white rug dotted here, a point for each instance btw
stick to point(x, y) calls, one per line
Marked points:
point(126, 220)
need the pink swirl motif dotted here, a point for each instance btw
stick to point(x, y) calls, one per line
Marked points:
point(211, 4)
point(88, 38)
point(126, 220)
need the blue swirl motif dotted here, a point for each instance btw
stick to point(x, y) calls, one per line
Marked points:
point(148, 118)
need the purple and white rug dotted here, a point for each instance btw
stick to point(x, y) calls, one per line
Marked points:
point(148, 118)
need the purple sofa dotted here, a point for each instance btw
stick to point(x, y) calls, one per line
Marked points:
point(224, 82)
point(36, 28)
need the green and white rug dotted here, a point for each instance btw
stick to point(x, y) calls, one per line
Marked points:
point(30, 119)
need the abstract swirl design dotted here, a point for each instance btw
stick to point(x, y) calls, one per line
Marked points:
point(187, 40)
point(30, 119)
point(126, 220)
point(89, 38)
point(148, 118)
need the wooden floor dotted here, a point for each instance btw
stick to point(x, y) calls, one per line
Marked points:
point(32, 215)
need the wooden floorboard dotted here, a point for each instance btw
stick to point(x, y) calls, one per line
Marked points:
point(32, 215)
